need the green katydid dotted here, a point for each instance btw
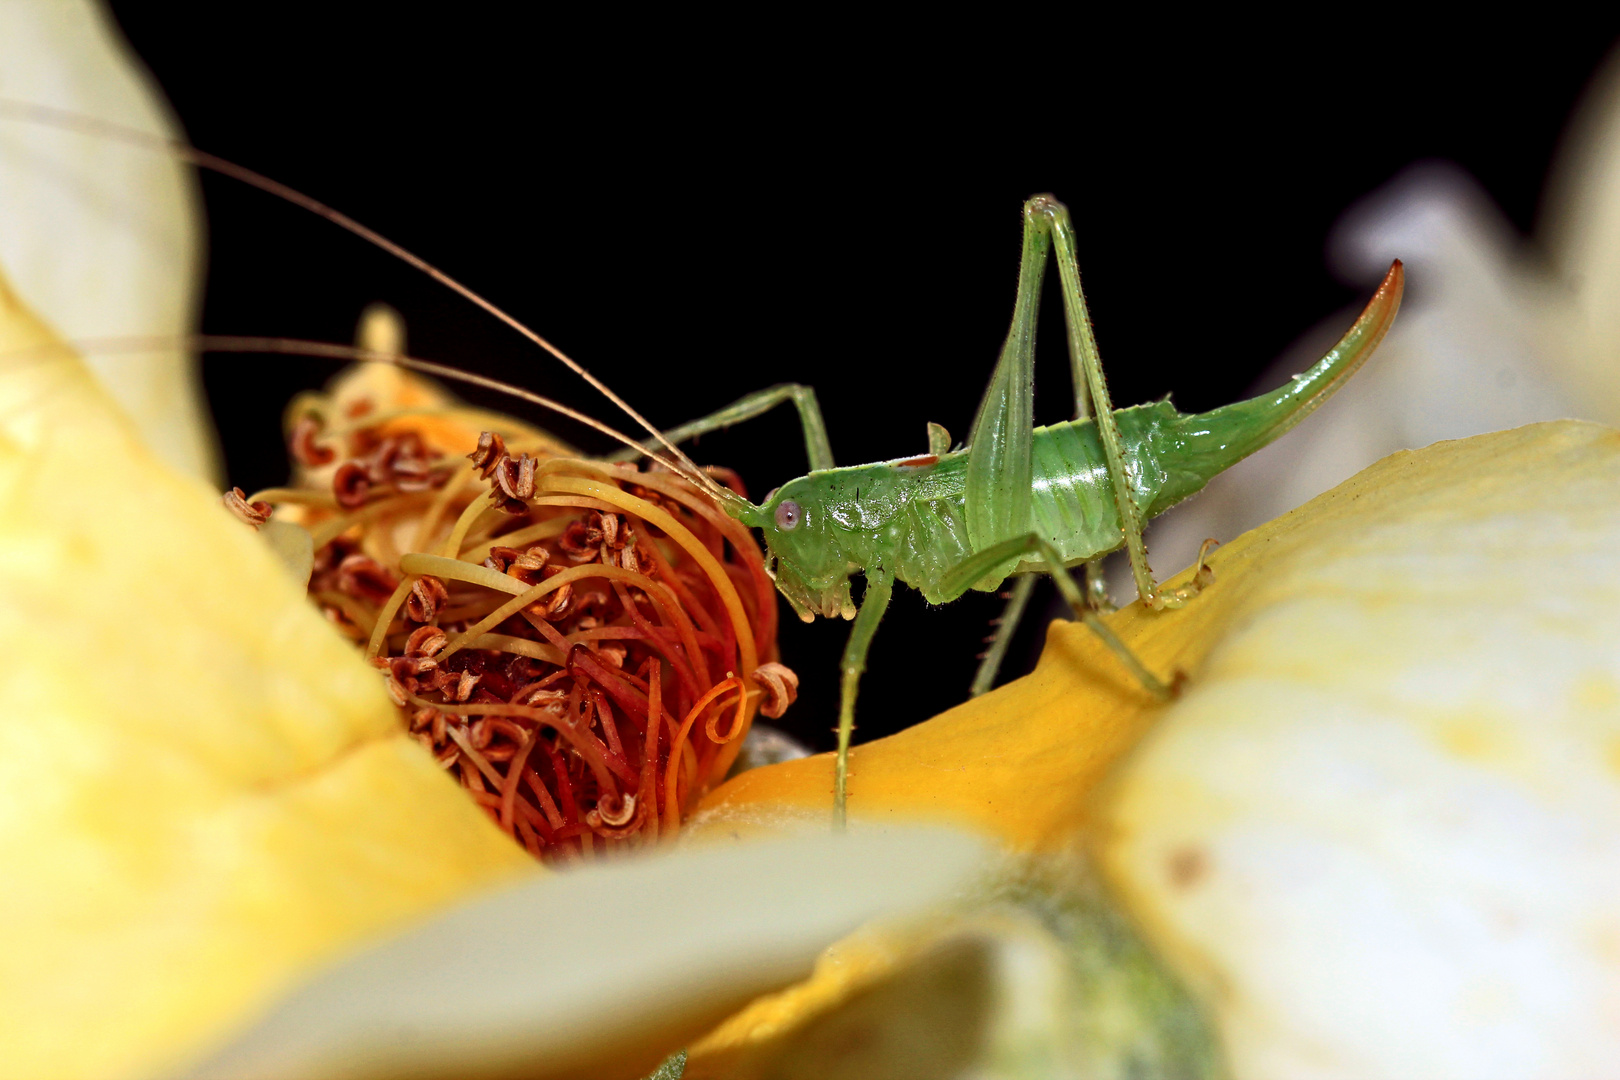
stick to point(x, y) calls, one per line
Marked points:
point(1017, 499)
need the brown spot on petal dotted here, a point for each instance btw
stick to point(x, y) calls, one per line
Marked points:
point(1186, 867)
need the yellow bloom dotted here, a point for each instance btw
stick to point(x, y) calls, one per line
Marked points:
point(205, 792)
point(1379, 834)
point(192, 764)
point(104, 239)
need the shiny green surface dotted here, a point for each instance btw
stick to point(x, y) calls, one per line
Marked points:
point(1020, 498)
point(911, 518)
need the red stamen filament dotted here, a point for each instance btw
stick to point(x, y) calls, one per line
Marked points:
point(554, 699)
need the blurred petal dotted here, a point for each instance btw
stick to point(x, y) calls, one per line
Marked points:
point(202, 788)
point(1381, 835)
point(1482, 344)
point(1400, 749)
point(1032, 975)
point(1582, 236)
point(600, 972)
point(100, 238)
point(1496, 331)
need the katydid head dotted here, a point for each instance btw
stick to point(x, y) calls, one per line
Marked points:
point(803, 552)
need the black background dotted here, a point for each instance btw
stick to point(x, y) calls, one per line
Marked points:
point(832, 204)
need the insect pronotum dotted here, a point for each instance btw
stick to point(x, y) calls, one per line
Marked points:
point(1013, 499)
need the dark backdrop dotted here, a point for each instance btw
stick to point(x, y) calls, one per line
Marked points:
point(833, 204)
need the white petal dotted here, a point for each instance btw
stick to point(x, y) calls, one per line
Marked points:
point(1494, 332)
point(103, 239)
point(550, 977)
point(1382, 834)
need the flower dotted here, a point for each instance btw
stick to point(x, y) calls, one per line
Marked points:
point(206, 792)
point(103, 238)
point(1391, 781)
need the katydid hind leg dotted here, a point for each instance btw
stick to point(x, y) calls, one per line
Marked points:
point(817, 447)
point(1000, 464)
point(1087, 365)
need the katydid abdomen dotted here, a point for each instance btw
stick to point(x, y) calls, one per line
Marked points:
point(910, 516)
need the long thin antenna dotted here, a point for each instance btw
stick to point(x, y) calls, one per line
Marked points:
point(62, 118)
point(228, 343)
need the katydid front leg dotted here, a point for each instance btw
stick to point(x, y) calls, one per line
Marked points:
point(879, 587)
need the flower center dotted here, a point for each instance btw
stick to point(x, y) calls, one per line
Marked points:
point(581, 643)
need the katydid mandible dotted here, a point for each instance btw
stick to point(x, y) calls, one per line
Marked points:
point(1016, 499)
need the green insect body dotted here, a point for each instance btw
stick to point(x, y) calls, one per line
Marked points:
point(1016, 499)
point(911, 516)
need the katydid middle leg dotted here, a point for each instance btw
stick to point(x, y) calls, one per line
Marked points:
point(1093, 587)
point(1006, 626)
point(962, 577)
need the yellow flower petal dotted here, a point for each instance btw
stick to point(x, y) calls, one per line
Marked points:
point(202, 788)
point(1382, 832)
point(597, 974)
point(1375, 593)
point(104, 239)
point(1018, 763)
point(1032, 974)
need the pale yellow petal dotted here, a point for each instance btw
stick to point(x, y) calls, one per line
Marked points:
point(1030, 975)
point(101, 238)
point(598, 974)
point(202, 788)
point(1381, 834)
point(1581, 234)
point(1384, 825)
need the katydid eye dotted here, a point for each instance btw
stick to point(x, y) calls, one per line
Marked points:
point(787, 515)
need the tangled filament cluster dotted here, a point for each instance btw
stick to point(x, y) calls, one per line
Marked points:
point(582, 643)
